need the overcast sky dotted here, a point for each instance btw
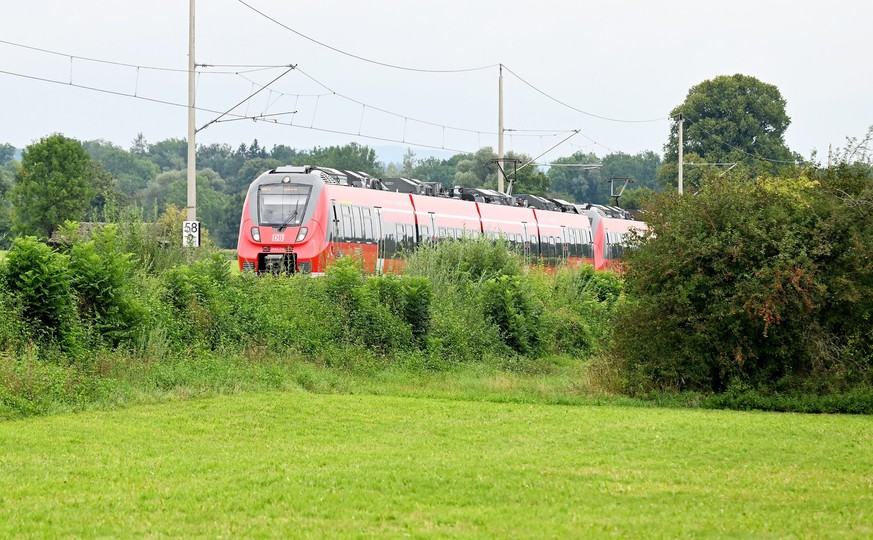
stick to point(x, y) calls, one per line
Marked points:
point(623, 60)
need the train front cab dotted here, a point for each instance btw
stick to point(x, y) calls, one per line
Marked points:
point(282, 228)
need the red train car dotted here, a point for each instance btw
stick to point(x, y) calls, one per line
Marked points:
point(299, 219)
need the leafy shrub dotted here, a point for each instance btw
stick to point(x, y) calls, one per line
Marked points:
point(364, 318)
point(764, 282)
point(509, 305)
point(202, 295)
point(418, 298)
point(102, 278)
point(39, 281)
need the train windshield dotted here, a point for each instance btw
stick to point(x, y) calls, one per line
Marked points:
point(282, 205)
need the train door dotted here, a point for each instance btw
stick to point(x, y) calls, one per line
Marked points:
point(380, 243)
point(526, 240)
point(567, 241)
point(432, 233)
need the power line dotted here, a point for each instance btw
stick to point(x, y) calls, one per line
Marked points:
point(257, 118)
point(363, 59)
point(380, 109)
point(556, 100)
point(250, 68)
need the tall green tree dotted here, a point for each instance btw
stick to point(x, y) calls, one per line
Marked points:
point(131, 171)
point(731, 119)
point(53, 184)
point(352, 157)
point(7, 180)
point(641, 167)
point(7, 153)
point(578, 176)
point(283, 153)
point(250, 170)
point(169, 154)
point(525, 178)
point(476, 170)
point(433, 169)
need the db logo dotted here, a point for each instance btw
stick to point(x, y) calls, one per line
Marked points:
point(278, 238)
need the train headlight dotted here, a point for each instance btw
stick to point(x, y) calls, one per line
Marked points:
point(302, 234)
point(256, 234)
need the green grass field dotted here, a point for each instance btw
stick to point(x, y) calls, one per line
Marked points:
point(298, 464)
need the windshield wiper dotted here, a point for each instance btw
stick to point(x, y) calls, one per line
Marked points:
point(287, 221)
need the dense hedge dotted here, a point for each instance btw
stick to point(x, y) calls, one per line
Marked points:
point(763, 284)
point(75, 305)
point(739, 309)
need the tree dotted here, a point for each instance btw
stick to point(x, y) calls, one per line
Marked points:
point(53, 184)
point(221, 158)
point(525, 179)
point(213, 206)
point(408, 162)
point(7, 153)
point(283, 153)
point(731, 119)
point(139, 146)
point(351, 157)
point(433, 169)
point(642, 167)
point(255, 151)
point(581, 179)
point(169, 154)
point(250, 170)
point(131, 171)
point(7, 180)
point(476, 170)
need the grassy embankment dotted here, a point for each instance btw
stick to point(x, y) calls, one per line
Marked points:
point(307, 465)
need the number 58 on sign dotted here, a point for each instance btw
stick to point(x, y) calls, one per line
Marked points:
point(190, 234)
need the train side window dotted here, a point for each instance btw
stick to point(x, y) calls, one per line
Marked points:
point(410, 235)
point(401, 239)
point(369, 236)
point(358, 226)
point(346, 224)
point(390, 244)
point(424, 233)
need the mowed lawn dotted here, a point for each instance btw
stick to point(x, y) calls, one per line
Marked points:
point(307, 465)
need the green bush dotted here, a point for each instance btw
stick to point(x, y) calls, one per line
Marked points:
point(365, 319)
point(38, 280)
point(102, 277)
point(764, 282)
point(202, 296)
point(508, 303)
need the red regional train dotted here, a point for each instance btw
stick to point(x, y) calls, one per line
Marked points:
point(299, 219)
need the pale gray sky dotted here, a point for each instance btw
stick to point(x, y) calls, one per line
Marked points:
point(621, 59)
